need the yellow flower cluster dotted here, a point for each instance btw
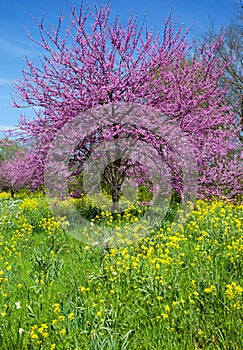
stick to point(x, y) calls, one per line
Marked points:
point(50, 225)
point(39, 334)
point(29, 204)
point(210, 289)
point(5, 195)
point(233, 293)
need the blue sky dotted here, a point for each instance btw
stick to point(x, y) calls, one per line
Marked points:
point(15, 15)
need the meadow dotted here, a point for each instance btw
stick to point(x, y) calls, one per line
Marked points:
point(171, 289)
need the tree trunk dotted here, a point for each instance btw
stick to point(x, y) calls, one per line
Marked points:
point(115, 195)
point(12, 192)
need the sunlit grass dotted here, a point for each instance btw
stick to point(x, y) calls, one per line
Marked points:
point(172, 289)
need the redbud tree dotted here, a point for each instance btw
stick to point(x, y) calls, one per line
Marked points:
point(96, 62)
point(16, 173)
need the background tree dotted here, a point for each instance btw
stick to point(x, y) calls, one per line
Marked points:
point(231, 52)
point(19, 166)
point(16, 172)
point(97, 63)
point(8, 148)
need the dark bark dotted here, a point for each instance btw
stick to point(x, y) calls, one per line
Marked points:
point(12, 192)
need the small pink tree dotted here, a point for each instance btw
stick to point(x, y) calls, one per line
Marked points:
point(17, 173)
point(98, 62)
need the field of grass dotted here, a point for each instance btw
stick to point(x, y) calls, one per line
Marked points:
point(178, 289)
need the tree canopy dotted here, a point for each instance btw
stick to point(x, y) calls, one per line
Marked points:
point(99, 62)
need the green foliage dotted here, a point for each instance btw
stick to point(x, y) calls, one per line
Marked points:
point(8, 149)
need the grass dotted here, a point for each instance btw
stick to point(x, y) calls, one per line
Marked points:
point(169, 290)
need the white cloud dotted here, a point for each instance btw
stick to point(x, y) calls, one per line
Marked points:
point(6, 127)
point(8, 47)
point(4, 82)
